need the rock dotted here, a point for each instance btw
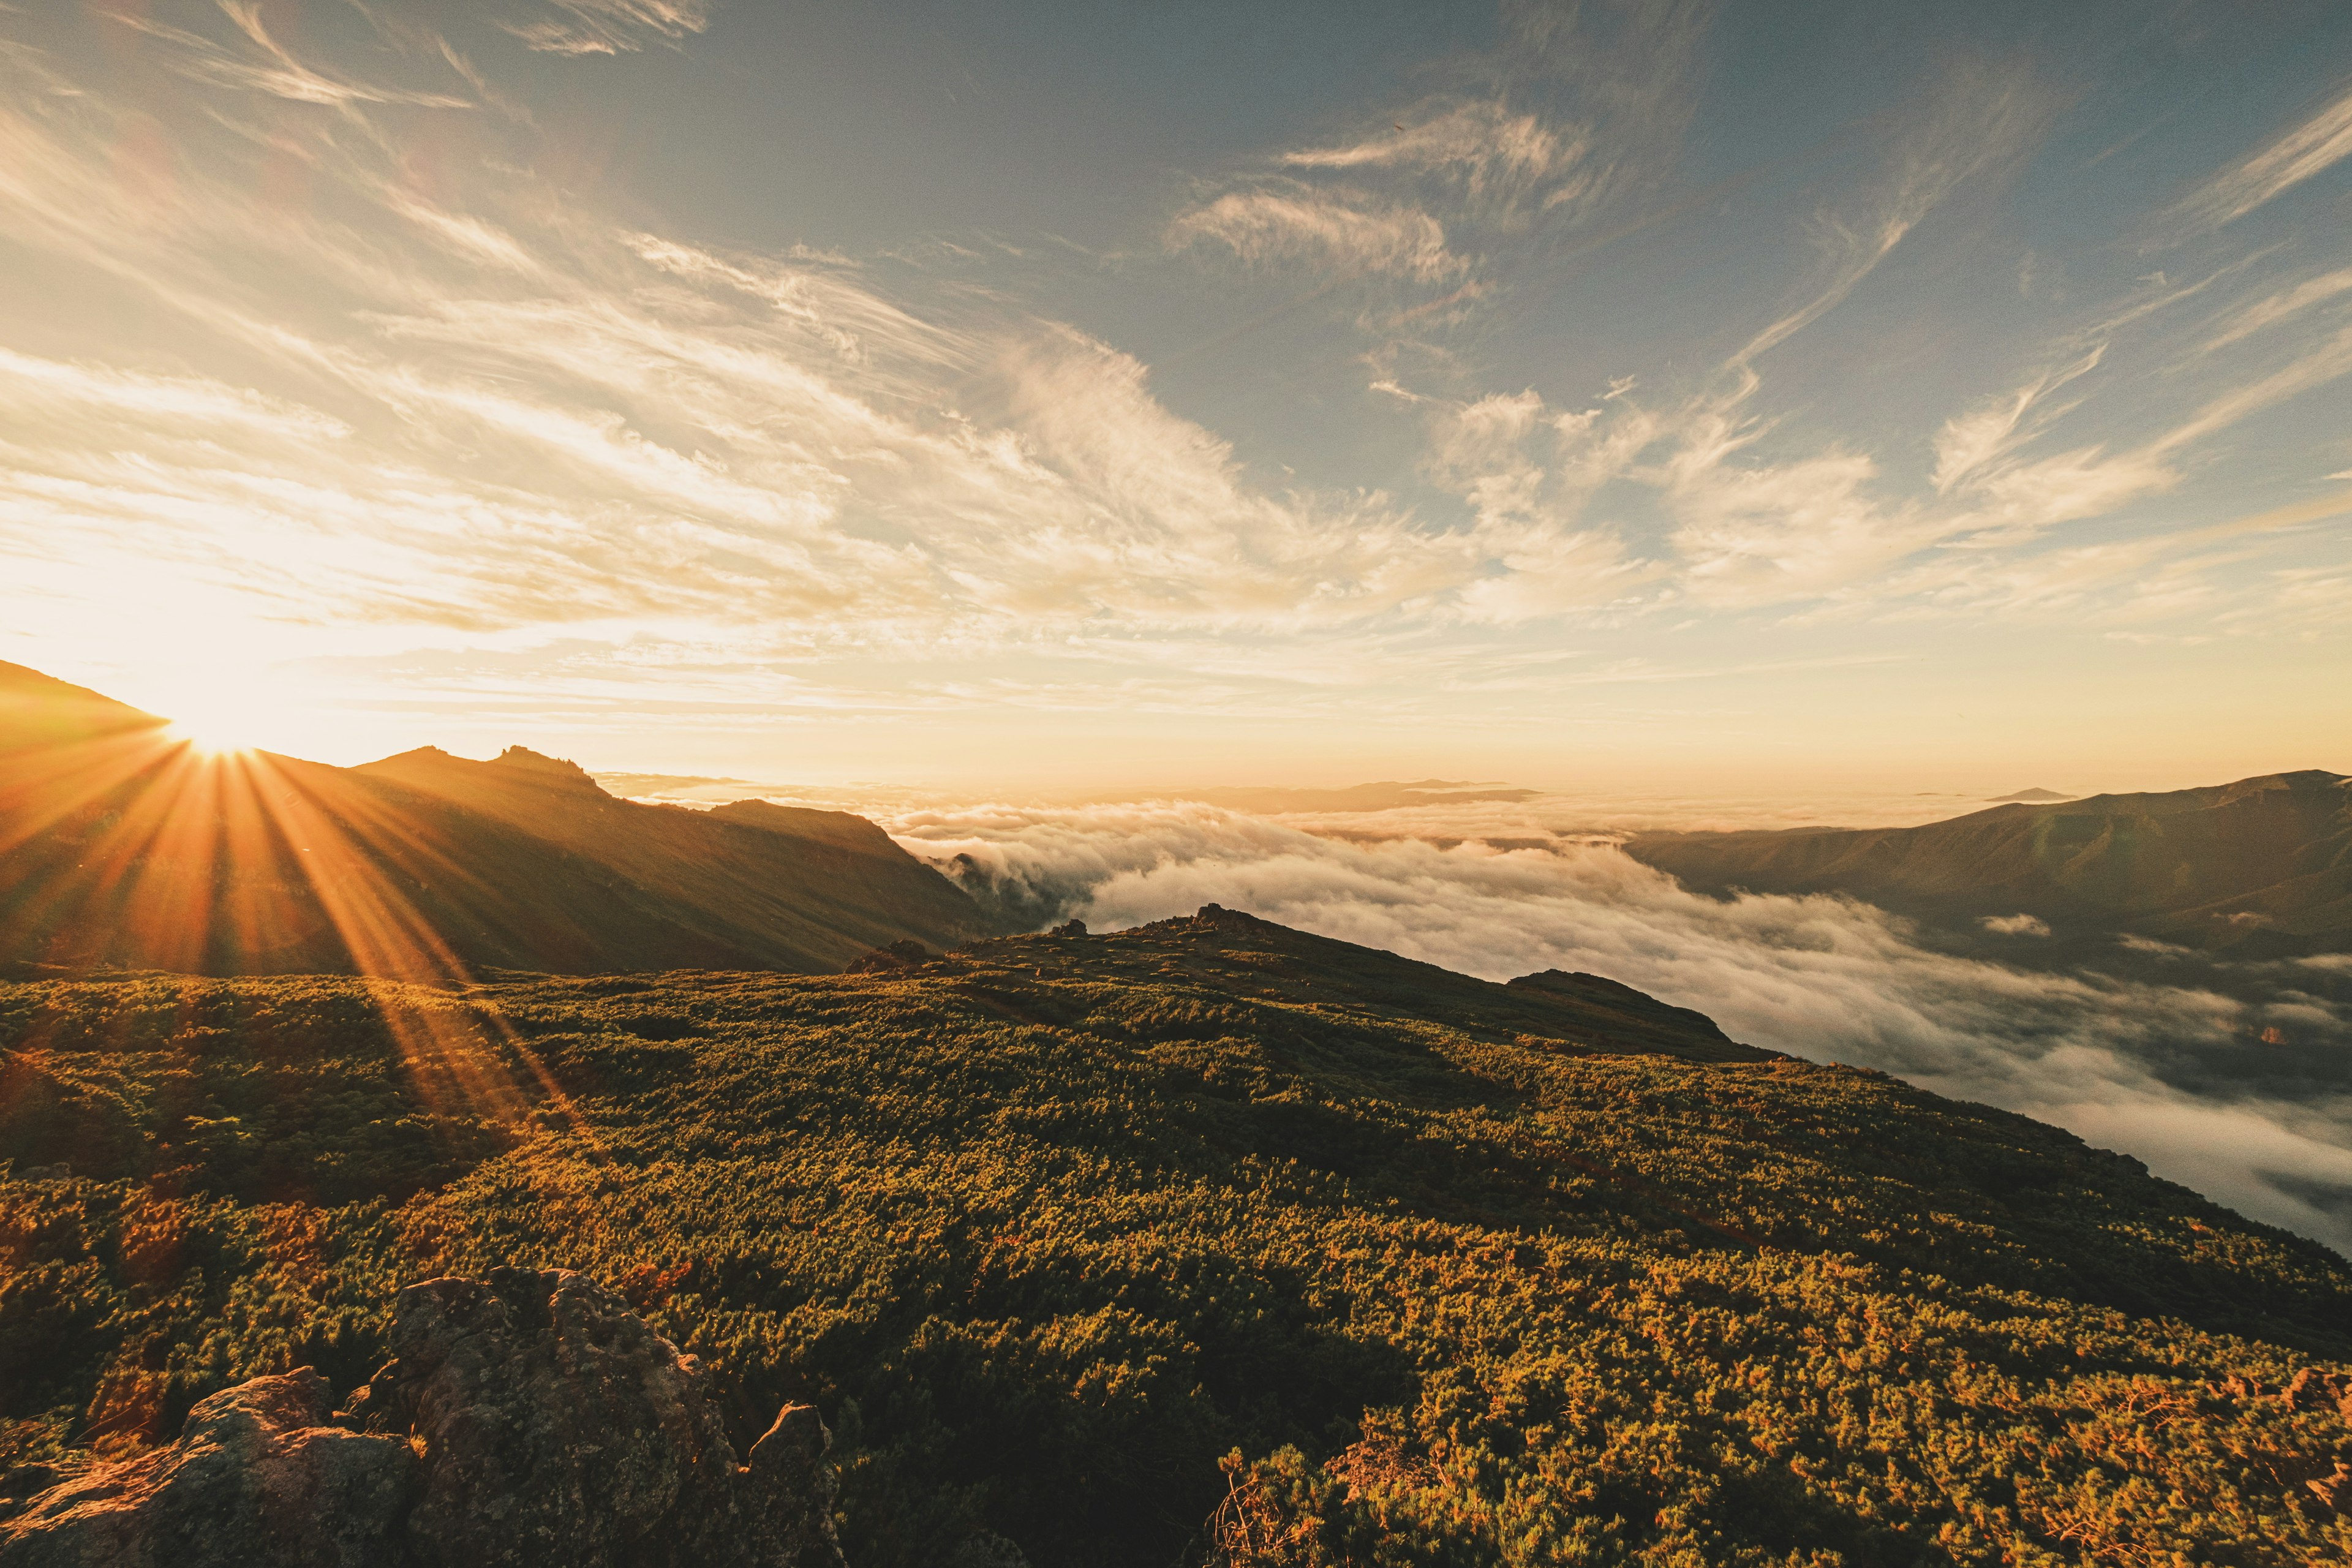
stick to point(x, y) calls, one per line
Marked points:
point(528, 1417)
point(987, 1550)
point(904, 953)
point(1071, 927)
point(258, 1480)
point(558, 1427)
point(21, 1484)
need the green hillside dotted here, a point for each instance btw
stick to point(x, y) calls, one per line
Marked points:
point(1206, 1241)
point(2259, 868)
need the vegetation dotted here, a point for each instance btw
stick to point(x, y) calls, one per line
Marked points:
point(1208, 1241)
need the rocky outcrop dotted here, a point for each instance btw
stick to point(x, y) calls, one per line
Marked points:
point(528, 1417)
point(897, 958)
point(258, 1477)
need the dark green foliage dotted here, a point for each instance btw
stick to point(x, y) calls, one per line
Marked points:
point(1086, 1240)
point(295, 1090)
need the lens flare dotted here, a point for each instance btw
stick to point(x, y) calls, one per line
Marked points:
point(220, 720)
point(200, 853)
point(207, 738)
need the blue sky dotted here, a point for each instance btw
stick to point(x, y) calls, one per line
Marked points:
point(1063, 395)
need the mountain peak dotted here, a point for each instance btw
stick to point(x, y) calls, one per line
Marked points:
point(539, 763)
point(2030, 798)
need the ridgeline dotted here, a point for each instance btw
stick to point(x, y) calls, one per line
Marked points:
point(2260, 868)
point(123, 847)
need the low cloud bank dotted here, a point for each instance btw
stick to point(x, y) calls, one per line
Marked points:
point(2248, 1103)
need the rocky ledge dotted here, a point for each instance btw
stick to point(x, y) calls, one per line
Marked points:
point(528, 1417)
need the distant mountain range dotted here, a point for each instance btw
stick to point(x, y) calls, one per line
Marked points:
point(1389, 795)
point(2262, 868)
point(120, 847)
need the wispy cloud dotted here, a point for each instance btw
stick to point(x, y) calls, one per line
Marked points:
point(1351, 233)
point(1753, 520)
point(266, 67)
point(2318, 143)
point(1979, 118)
point(1971, 442)
point(1570, 118)
point(377, 398)
point(621, 425)
point(2273, 309)
point(609, 27)
point(2327, 360)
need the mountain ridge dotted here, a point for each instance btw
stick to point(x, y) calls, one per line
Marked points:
point(125, 848)
point(2258, 866)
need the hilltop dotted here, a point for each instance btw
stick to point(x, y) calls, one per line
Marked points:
point(1207, 1241)
point(126, 849)
point(2261, 867)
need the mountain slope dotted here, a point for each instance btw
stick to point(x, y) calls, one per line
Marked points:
point(122, 847)
point(2259, 867)
point(1167, 1246)
point(39, 711)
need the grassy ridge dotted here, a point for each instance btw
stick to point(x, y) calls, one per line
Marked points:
point(1087, 1240)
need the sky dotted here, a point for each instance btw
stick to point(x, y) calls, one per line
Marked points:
point(1746, 398)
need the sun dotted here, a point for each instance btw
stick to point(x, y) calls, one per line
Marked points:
point(213, 730)
point(205, 738)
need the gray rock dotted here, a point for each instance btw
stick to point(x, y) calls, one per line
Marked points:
point(530, 1417)
point(258, 1480)
point(987, 1550)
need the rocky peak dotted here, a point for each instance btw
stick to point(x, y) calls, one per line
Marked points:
point(539, 763)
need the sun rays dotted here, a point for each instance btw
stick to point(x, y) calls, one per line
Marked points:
point(139, 844)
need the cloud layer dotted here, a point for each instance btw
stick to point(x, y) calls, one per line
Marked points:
point(2175, 1074)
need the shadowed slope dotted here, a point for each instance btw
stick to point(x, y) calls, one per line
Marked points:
point(2259, 867)
point(779, 887)
point(121, 847)
point(38, 710)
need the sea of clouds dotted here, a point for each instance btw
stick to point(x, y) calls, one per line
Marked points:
point(2174, 1070)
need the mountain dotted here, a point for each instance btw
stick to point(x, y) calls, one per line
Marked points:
point(2030, 798)
point(122, 847)
point(1206, 1242)
point(1387, 796)
point(39, 711)
point(2259, 868)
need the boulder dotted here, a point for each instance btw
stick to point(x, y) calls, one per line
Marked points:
point(258, 1480)
point(527, 1417)
point(903, 954)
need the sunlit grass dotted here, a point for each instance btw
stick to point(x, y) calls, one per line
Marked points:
point(1081, 1241)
